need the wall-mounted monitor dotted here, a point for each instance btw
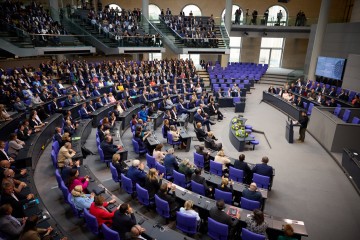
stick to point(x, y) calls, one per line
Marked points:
point(330, 67)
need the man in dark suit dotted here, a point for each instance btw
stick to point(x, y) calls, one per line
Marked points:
point(136, 173)
point(263, 168)
point(181, 108)
point(129, 103)
point(241, 165)
point(332, 92)
point(251, 193)
point(108, 147)
point(101, 132)
point(105, 99)
point(202, 120)
point(58, 136)
point(196, 177)
point(123, 220)
point(84, 113)
point(96, 92)
point(167, 193)
point(69, 101)
point(90, 107)
point(218, 214)
point(74, 88)
point(214, 111)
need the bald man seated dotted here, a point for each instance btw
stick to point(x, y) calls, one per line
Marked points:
point(251, 193)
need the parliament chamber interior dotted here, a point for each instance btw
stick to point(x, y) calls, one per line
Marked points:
point(112, 119)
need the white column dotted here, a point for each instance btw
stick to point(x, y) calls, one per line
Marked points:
point(145, 8)
point(54, 9)
point(319, 36)
point(228, 12)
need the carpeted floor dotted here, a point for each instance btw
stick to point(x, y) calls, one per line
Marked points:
point(308, 186)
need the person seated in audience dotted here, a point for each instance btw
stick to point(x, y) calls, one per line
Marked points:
point(140, 138)
point(65, 153)
point(98, 103)
point(186, 168)
point(214, 111)
point(90, 107)
point(68, 166)
point(203, 120)
point(77, 98)
point(201, 150)
point(223, 186)
point(312, 95)
point(252, 193)
point(84, 113)
point(69, 128)
point(242, 165)
point(167, 193)
point(15, 145)
point(74, 180)
point(196, 177)
point(6, 164)
point(108, 125)
point(129, 103)
point(224, 160)
point(169, 117)
point(105, 99)
point(143, 114)
point(21, 134)
point(34, 123)
point(332, 92)
point(10, 227)
point(117, 164)
point(256, 223)
point(173, 113)
point(123, 220)
point(176, 136)
point(356, 101)
point(166, 125)
point(96, 92)
point(136, 173)
point(4, 116)
point(109, 149)
point(218, 214)
point(68, 117)
point(102, 132)
point(152, 109)
point(9, 176)
point(271, 89)
point(99, 211)
point(188, 210)
point(16, 200)
point(211, 140)
point(134, 119)
point(153, 182)
point(263, 168)
point(299, 102)
point(158, 154)
point(19, 105)
point(170, 162)
point(111, 98)
point(31, 231)
point(136, 232)
point(69, 101)
point(65, 138)
point(80, 199)
point(288, 233)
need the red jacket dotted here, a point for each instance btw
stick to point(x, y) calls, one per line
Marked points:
point(102, 216)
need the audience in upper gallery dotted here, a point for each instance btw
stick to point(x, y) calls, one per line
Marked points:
point(256, 223)
point(263, 168)
point(80, 199)
point(252, 193)
point(99, 211)
point(136, 173)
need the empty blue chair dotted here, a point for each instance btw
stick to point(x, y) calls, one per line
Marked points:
point(137, 148)
point(337, 111)
point(150, 161)
point(355, 120)
point(261, 181)
point(216, 230)
point(197, 188)
point(346, 115)
point(171, 141)
point(162, 170)
point(58, 177)
point(248, 235)
point(254, 143)
point(127, 185)
point(114, 173)
point(226, 196)
point(199, 160)
point(236, 174)
point(162, 207)
point(305, 105)
point(54, 158)
point(62, 103)
point(56, 147)
point(180, 179)
point(65, 191)
point(311, 106)
point(91, 222)
point(216, 168)
point(143, 196)
point(186, 223)
point(102, 157)
point(109, 234)
point(249, 204)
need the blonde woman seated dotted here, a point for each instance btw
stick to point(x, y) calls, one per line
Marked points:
point(65, 138)
point(221, 158)
point(158, 154)
point(188, 210)
point(176, 135)
point(80, 199)
point(223, 186)
point(153, 182)
point(111, 98)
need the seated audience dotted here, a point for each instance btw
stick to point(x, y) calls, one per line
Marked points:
point(80, 199)
point(10, 227)
point(242, 165)
point(170, 162)
point(211, 140)
point(123, 220)
point(263, 168)
point(196, 177)
point(251, 193)
point(256, 223)
point(32, 232)
point(74, 180)
point(188, 210)
point(158, 154)
point(153, 182)
point(99, 211)
point(15, 145)
point(186, 168)
point(221, 158)
point(136, 173)
point(117, 164)
point(65, 153)
point(167, 193)
point(109, 149)
point(16, 200)
point(9, 176)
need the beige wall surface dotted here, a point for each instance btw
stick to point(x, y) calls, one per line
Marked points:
point(355, 15)
point(294, 53)
point(250, 49)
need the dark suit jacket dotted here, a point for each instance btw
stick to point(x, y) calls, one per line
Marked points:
point(83, 113)
point(108, 149)
point(58, 138)
point(263, 169)
point(123, 223)
point(129, 104)
point(242, 166)
point(54, 107)
point(70, 130)
point(221, 217)
point(200, 180)
point(22, 136)
point(17, 206)
point(170, 198)
point(152, 186)
point(136, 175)
point(198, 118)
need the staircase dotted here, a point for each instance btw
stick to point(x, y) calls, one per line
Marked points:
point(22, 42)
point(279, 77)
point(204, 75)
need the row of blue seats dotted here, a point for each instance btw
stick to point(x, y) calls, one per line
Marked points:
point(346, 116)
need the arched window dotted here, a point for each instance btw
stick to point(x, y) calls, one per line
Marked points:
point(115, 7)
point(234, 8)
point(154, 12)
point(273, 13)
point(192, 8)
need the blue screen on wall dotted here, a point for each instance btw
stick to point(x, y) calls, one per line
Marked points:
point(330, 67)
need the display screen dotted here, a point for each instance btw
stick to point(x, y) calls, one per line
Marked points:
point(330, 67)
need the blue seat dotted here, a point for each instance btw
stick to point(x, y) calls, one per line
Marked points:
point(171, 141)
point(305, 105)
point(58, 177)
point(215, 168)
point(143, 196)
point(216, 230)
point(56, 147)
point(199, 160)
point(54, 158)
point(6, 148)
point(346, 115)
point(109, 234)
point(355, 120)
point(102, 157)
point(127, 185)
point(91, 222)
point(162, 207)
point(254, 143)
point(137, 148)
point(114, 173)
point(249, 204)
point(337, 111)
point(226, 196)
point(197, 188)
point(309, 111)
point(162, 170)
point(248, 235)
point(180, 179)
point(65, 191)
point(261, 181)
point(186, 223)
point(236, 174)
point(150, 161)
point(73, 208)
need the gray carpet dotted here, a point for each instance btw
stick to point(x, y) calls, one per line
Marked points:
point(309, 186)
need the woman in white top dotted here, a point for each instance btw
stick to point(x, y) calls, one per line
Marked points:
point(221, 158)
point(187, 209)
point(158, 154)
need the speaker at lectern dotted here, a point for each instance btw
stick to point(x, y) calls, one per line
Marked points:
point(289, 132)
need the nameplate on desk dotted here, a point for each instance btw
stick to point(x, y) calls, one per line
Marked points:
point(289, 221)
point(75, 138)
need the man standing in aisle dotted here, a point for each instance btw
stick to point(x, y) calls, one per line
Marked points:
point(303, 125)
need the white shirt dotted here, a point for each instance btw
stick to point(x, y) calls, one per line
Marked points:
point(190, 213)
